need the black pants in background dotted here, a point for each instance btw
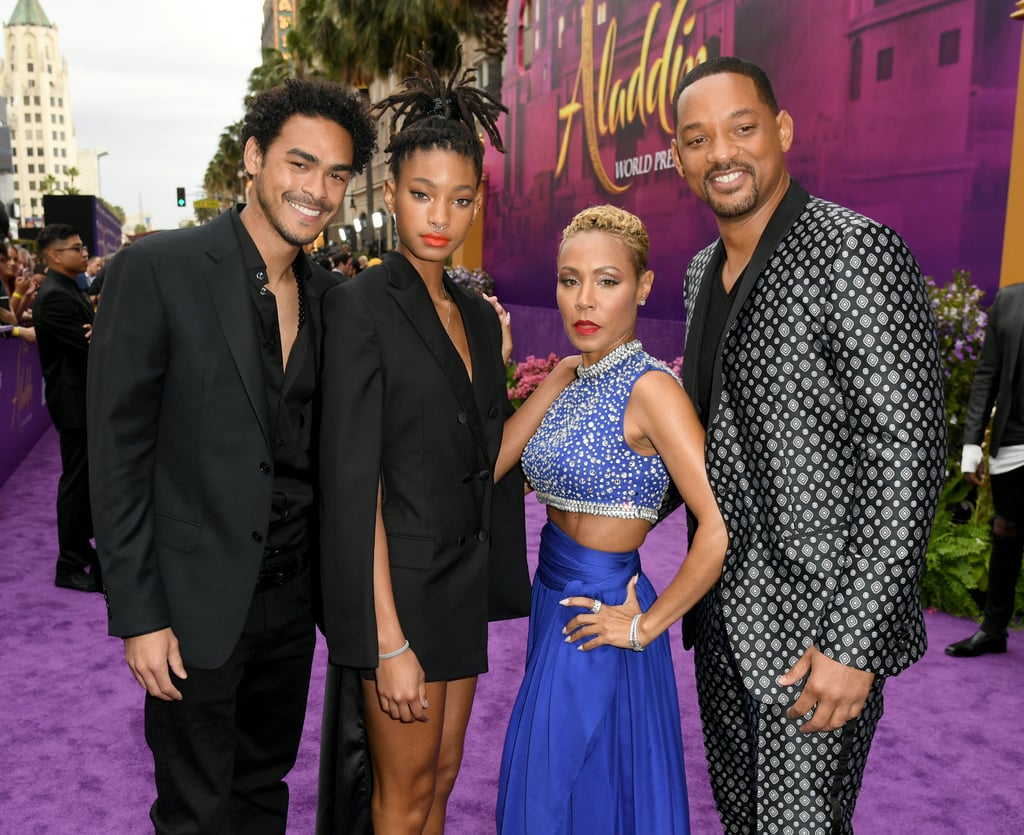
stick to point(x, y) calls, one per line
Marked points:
point(1007, 549)
point(222, 752)
point(74, 511)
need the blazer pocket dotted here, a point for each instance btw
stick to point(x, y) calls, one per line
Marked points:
point(818, 556)
point(410, 551)
point(172, 532)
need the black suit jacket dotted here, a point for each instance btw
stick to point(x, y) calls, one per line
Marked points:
point(59, 314)
point(825, 442)
point(997, 380)
point(399, 407)
point(180, 461)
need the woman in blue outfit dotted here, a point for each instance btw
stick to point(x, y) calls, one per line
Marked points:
point(594, 744)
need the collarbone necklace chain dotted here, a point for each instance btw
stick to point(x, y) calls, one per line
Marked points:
point(448, 324)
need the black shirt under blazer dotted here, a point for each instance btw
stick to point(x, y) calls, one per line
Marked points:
point(399, 409)
point(825, 444)
point(179, 442)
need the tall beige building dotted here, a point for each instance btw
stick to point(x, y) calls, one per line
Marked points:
point(34, 81)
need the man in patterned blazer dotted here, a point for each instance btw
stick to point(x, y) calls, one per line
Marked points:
point(811, 358)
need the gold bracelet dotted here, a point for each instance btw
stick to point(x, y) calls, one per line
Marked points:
point(16, 295)
point(16, 331)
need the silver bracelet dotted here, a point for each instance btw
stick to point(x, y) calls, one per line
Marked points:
point(398, 651)
point(634, 633)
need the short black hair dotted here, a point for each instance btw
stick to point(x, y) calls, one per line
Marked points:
point(729, 64)
point(54, 233)
point(267, 112)
point(439, 114)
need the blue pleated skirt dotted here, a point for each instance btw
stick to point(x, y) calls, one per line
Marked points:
point(593, 743)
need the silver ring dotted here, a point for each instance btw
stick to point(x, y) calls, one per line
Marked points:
point(596, 607)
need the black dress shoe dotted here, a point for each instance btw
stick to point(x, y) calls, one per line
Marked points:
point(979, 643)
point(77, 581)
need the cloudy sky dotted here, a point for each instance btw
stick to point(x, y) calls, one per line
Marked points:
point(155, 83)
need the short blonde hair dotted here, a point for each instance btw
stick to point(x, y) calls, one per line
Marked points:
point(618, 223)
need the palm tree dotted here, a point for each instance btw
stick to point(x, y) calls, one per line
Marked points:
point(71, 188)
point(354, 42)
point(487, 21)
point(273, 71)
point(222, 180)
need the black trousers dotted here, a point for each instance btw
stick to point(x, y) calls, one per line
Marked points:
point(222, 752)
point(767, 776)
point(74, 511)
point(1007, 549)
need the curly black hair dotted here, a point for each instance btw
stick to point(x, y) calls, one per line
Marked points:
point(268, 111)
point(439, 114)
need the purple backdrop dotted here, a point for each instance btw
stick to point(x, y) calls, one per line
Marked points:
point(903, 110)
point(23, 415)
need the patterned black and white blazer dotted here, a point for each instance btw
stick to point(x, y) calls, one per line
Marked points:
point(826, 442)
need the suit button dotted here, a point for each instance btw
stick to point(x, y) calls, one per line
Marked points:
point(264, 467)
point(493, 412)
point(257, 536)
point(483, 475)
point(468, 477)
point(460, 541)
point(462, 417)
point(482, 536)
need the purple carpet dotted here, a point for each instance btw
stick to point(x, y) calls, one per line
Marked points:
point(947, 756)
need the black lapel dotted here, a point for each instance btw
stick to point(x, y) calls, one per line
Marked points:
point(483, 352)
point(227, 284)
point(695, 329)
point(407, 288)
point(782, 220)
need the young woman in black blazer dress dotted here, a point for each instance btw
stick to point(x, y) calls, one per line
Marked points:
point(420, 547)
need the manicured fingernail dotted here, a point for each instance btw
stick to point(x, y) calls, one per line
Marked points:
point(564, 601)
point(580, 648)
point(568, 638)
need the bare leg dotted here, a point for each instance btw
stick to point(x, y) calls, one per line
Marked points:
point(415, 763)
point(456, 718)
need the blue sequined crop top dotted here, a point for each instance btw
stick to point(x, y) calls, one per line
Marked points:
point(578, 459)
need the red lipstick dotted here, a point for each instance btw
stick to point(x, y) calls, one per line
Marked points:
point(434, 239)
point(585, 327)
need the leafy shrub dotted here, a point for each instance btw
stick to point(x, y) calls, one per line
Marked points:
point(476, 281)
point(524, 377)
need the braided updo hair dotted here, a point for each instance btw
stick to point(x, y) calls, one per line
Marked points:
point(618, 223)
point(439, 114)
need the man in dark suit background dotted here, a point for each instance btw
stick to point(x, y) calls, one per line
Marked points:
point(201, 401)
point(63, 321)
point(999, 382)
point(812, 361)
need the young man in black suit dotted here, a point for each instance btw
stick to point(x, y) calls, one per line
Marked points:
point(205, 363)
point(63, 320)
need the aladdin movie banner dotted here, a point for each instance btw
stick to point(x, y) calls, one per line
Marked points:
point(903, 110)
point(23, 414)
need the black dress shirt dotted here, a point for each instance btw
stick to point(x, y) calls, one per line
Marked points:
point(290, 394)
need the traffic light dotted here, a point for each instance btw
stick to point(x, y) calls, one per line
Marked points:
point(181, 198)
